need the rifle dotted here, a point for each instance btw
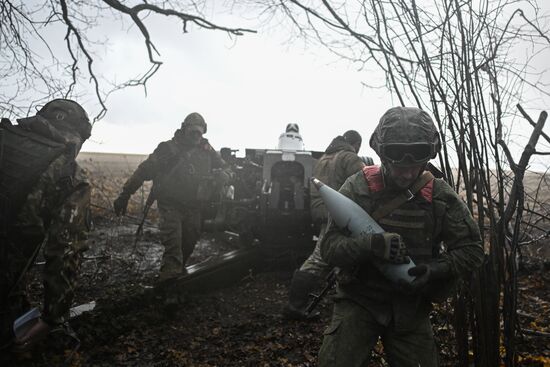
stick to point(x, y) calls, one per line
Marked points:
point(330, 279)
point(28, 264)
point(148, 203)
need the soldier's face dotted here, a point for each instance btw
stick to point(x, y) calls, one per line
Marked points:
point(403, 176)
point(193, 134)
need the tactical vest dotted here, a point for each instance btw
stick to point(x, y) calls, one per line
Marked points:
point(188, 179)
point(24, 156)
point(414, 220)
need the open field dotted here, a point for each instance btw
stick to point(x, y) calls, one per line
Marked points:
point(108, 172)
point(110, 163)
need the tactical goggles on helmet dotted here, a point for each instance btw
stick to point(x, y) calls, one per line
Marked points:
point(403, 153)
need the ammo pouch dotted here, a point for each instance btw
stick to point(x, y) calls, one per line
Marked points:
point(187, 179)
point(183, 186)
point(210, 186)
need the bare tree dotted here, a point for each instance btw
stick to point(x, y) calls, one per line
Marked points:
point(459, 59)
point(46, 50)
point(462, 61)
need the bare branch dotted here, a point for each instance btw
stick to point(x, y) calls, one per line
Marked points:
point(28, 78)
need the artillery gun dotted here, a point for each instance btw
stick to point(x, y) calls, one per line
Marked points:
point(269, 205)
point(266, 207)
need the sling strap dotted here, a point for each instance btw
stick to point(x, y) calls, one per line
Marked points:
point(406, 195)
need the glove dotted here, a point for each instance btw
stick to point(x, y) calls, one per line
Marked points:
point(120, 204)
point(33, 336)
point(425, 274)
point(389, 246)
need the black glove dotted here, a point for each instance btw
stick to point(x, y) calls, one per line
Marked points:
point(120, 204)
point(425, 274)
point(388, 246)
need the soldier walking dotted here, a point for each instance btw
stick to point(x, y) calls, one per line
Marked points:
point(186, 171)
point(420, 212)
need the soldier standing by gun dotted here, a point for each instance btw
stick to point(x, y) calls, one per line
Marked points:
point(367, 305)
point(44, 201)
point(178, 168)
point(339, 161)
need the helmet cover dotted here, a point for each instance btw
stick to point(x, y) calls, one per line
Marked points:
point(410, 130)
point(67, 114)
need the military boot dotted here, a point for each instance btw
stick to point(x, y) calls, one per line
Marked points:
point(302, 284)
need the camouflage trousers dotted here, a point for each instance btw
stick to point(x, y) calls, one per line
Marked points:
point(353, 333)
point(59, 277)
point(315, 264)
point(179, 232)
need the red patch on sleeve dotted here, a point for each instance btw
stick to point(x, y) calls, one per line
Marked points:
point(427, 191)
point(373, 175)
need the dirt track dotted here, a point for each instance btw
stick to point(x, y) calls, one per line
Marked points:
point(236, 326)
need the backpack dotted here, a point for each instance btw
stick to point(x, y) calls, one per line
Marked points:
point(24, 156)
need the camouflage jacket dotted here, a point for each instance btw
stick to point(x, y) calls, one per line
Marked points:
point(58, 206)
point(423, 222)
point(338, 163)
point(182, 175)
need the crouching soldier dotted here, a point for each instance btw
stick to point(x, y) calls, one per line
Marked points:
point(44, 202)
point(182, 170)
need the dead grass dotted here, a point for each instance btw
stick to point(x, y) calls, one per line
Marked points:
point(109, 171)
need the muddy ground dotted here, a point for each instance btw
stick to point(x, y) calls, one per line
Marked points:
point(239, 325)
point(235, 326)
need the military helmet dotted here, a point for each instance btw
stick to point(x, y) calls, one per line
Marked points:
point(405, 136)
point(67, 115)
point(196, 119)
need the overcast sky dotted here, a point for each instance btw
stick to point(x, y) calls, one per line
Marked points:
point(247, 91)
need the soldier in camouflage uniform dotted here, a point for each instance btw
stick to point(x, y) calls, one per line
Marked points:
point(339, 161)
point(186, 171)
point(45, 200)
point(367, 305)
